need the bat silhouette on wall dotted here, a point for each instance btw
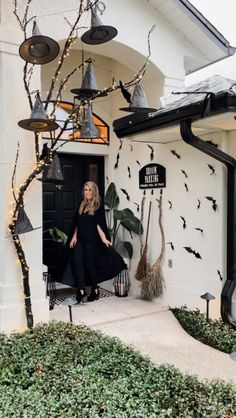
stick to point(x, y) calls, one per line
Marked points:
point(126, 94)
point(212, 143)
point(117, 161)
point(171, 245)
point(214, 205)
point(170, 204)
point(184, 173)
point(175, 153)
point(107, 179)
point(126, 194)
point(131, 147)
point(121, 144)
point(219, 274)
point(211, 169)
point(152, 152)
point(184, 222)
point(191, 251)
point(186, 187)
point(138, 163)
point(144, 192)
point(199, 229)
point(198, 204)
point(152, 191)
point(136, 205)
point(128, 168)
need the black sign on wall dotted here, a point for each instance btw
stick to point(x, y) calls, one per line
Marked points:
point(152, 176)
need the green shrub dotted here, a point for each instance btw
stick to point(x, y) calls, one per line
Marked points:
point(214, 333)
point(63, 370)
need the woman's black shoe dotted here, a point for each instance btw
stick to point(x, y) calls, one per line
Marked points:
point(93, 295)
point(80, 297)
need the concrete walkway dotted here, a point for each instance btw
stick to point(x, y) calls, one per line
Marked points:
point(152, 330)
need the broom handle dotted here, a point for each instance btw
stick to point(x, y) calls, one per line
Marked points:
point(149, 214)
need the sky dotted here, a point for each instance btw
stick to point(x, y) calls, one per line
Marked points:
point(221, 13)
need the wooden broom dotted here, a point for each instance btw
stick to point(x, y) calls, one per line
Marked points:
point(142, 265)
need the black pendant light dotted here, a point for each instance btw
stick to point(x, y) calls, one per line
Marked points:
point(89, 86)
point(138, 101)
point(38, 121)
point(38, 49)
point(98, 33)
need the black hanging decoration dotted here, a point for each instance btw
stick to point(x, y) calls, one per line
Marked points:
point(214, 205)
point(52, 173)
point(128, 168)
point(136, 205)
point(121, 144)
point(171, 245)
point(198, 204)
point(117, 161)
point(191, 251)
point(186, 187)
point(219, 274)
point(184, 222)
point(126, 194)
point(151, 153)
point(184, 173)
point(175, 153)
point(211, 169)
point(45, 151)
point(152, 191)
point(170, 204)
point(23, 223)
point(138, 163)
point(199, 229)
point(125, 93)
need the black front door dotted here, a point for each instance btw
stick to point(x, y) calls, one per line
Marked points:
point(59, 204)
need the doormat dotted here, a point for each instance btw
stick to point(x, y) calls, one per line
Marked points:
point(103, 294)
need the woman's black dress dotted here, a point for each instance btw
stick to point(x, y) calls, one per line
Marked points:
point(91, 261)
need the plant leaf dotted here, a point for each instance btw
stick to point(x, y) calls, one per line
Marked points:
point(125, 249)
point(111, 199)
point(129, 221)
point(58, 235)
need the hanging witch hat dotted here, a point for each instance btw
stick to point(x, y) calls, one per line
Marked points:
point(138, 101)
point(38, 121)
point(89, 85)
point(89, 129)
point(98, 33)
point(38, 49)
point(23, 223)
point(52, 173)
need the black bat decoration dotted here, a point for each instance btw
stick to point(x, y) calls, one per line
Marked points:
point(45, 151)
point(136, 205)
point(144, 192)
point(128, 168)
point(214, 205)
point(186, 187)
point(175, 153)
point(126, 94)
point(219, 274)
point(131, 147)
point(170, 204)
point(212, 143)
point(152, 191)
point(184, 222)
point(185, 174)
point(117, 161)
point(171, 245)
point(199, 204)
point(211, 168)
point(191, 251)
point(199, 229)
point(121, 144)
point(107, 179)
point(152, 152)
point(126, 194)
point(138, 163)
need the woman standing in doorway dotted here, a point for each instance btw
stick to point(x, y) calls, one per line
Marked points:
point(93, 259)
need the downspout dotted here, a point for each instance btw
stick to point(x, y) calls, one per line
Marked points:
point(230, 163)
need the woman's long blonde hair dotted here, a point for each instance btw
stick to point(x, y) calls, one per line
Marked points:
point(90, 205)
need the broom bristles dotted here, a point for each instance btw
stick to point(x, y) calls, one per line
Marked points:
point(142, 266)
point(152, 285)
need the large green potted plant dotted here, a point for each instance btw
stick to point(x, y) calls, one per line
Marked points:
point(117, 219)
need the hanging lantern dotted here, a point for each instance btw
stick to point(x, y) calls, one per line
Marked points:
point(23, 223)
point(38, 49)
point(89, 85)
point(52, 173)
point(98, 33)
point(121, 284)
point(38, 121)
point(138, 101)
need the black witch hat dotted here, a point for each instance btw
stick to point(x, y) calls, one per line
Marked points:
point(89, 85)
point(23, 223)
point(52, 173)
point(89, 129)
point(138, 101)
point(38, 120)
point(38, 49)
point(98, 33)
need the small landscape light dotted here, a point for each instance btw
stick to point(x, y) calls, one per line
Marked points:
point(207, 297)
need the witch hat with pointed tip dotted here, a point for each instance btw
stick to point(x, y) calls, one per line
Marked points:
point(89, 85)
point(138, 101)
point(98, 33)
point(89, 129)
point(23, 223)
point(52, 173)
point(38, 49)
point(38, 121)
